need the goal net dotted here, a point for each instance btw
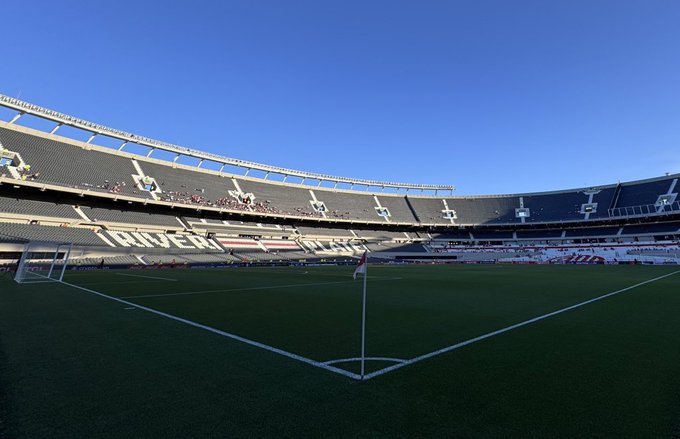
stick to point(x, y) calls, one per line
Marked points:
point(43, 262)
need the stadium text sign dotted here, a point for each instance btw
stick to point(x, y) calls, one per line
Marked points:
point(158, 240)
point(336, 247)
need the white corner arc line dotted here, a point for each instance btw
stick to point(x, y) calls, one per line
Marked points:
point(146, 277)
point(349, 360)
point(508, 328)
point(225, 334)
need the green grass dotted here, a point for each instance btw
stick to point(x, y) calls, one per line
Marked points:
point(73, 364)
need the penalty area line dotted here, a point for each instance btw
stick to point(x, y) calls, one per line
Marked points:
point(508, 328)
point(247, 341)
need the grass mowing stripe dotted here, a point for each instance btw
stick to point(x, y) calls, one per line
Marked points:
point(224, 334)
point(509, 328)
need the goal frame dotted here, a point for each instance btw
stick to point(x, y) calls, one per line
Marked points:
point(48, 260)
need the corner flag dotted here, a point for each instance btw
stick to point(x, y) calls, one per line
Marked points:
point(361, 266)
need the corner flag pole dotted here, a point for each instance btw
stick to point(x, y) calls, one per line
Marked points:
point(363, 324)
point(363, 267)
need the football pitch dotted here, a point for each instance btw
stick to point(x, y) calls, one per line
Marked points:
point(455, 350)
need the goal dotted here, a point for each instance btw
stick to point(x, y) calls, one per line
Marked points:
point(43, 262)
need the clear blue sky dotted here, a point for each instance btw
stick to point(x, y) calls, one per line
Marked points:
point(491, 96)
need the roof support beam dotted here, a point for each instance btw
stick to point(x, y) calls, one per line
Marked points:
point(54, 130)
point(17, 116)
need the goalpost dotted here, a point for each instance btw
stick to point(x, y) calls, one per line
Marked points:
point(43, 262)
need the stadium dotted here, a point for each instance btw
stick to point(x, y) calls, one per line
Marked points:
point(131, 210)
point(165, 267)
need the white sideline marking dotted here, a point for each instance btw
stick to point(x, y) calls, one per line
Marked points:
point(509, 328)
point(146, 277)
point(225, 334)
point(268, 287)
point(348, 360)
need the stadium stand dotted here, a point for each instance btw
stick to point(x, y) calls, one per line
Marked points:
point(380, 234)
point(483, 210)
point(496, 235)
point(539, 234)
point(97, 214)
point(209, 258)
point(639, 194)
point(65, 164)
point(289, 199)
point(396, 247)
point(163, 259)
point(646, 229)
point(269, 257)
point(238, 227)
point(605, 200)
point(324, 232)
point(346, 205)
point(429, 210)
point(108, 260)
point(279, 219)
point(216, 222)
point(592, 231)
point(36, 232)
point(74, 166)
point(452, 235)
point(179, 185)
point(398, 208)
point(556, 207)
point(21, 206)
